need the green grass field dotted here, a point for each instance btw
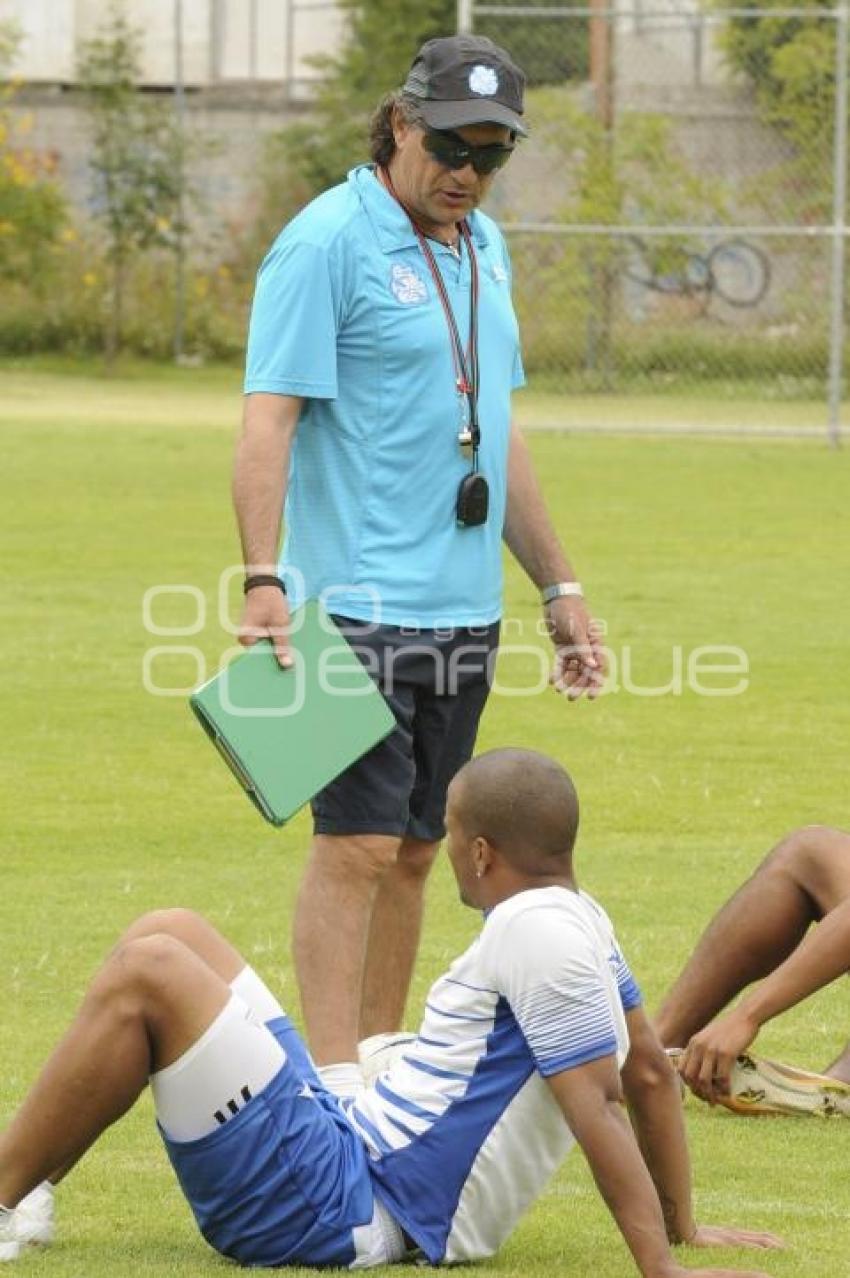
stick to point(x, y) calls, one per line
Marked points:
point(113, 802)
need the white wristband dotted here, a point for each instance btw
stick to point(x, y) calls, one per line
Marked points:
point(560, 590)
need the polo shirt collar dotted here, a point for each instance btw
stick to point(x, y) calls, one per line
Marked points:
point(391, 224)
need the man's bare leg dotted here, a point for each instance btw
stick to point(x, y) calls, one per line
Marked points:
point(804, 877)
point(199, 936)
point(152, 999)
point(196, 933)
point(394, 933)
point(330, 937)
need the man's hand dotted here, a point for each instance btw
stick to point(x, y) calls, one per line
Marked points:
point(721, 1236)
point(579, 655)
point(266, 616)
point(706, 1063)
point(680, 1271)
point(729, 1236)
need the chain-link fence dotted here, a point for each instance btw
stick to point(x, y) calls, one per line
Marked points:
point(676, 218)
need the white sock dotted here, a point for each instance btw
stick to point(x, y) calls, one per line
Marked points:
point(253, 990)
point(343, 1079)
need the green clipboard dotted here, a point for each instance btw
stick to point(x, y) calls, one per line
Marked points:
point(285, 734)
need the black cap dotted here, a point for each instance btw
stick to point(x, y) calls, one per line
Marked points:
point(466, 79)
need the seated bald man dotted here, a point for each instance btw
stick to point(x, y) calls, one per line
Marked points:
point(764, 933)
point(526, 1047)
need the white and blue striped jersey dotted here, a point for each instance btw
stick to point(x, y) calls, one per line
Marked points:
point(462, 1131)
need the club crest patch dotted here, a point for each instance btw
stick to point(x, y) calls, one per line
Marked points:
point(500, 275)
point(407, 286)
point(484, 81)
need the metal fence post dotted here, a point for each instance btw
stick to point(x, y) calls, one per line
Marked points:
point(839, 214)
point(465, 20)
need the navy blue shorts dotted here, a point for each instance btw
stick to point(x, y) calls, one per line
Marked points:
point(285, 1181)
point(436, 682)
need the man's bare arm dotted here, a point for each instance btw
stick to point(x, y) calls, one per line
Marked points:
point(260, 476)
point(529, 533)
point(822, 956)
point(531, 538)
point(589, 1099)
point(652, 1095)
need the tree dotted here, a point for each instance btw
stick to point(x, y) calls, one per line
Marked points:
point(633, 173)
point(32, 209)
point(549, 50)
point(383, 37)
point(790, 62)
point(136, 159)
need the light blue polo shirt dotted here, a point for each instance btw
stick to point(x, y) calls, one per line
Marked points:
point(346, 314)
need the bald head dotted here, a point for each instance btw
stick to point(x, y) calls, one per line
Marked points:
point(524, 804)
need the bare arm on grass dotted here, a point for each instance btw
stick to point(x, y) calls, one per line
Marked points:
point(645, 1182)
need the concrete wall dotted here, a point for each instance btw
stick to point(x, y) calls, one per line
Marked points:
point(224, 41)
point(666, 44)
point(224, 173)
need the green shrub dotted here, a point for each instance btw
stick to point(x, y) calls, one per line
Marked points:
point(74, 316)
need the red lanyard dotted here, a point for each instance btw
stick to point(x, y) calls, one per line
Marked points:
point(466, 366)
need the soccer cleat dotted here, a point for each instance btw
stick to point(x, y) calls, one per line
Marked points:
point(759, 1086)
point(10, 1246)
point(673, 1055)
point(34, 1217)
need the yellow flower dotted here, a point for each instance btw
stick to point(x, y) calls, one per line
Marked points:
point(224, 272)
point(163, 224)
point(7, 228)
point(68, 235)
point(89, 279)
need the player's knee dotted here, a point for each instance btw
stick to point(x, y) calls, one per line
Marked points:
point(174, 921)
point(364, 857)
point(802, 849)
point(147, 964)
point(415, 857)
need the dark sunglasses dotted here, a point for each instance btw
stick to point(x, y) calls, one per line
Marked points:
point(450, 150)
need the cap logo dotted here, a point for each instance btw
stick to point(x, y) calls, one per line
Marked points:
point(484, 81)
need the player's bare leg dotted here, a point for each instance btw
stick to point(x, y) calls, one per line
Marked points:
point(804, 877)
point(330, 937)
point(196, 933)
point(394, 933)
point(152, 999)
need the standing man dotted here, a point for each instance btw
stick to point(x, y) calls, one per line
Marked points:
point(382, 354)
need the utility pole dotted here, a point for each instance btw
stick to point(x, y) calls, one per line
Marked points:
point(602, 62)
point(180, 230)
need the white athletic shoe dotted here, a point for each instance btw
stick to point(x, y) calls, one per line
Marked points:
point(10, 1247)
point(758, 1086)
point(35, 1217)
